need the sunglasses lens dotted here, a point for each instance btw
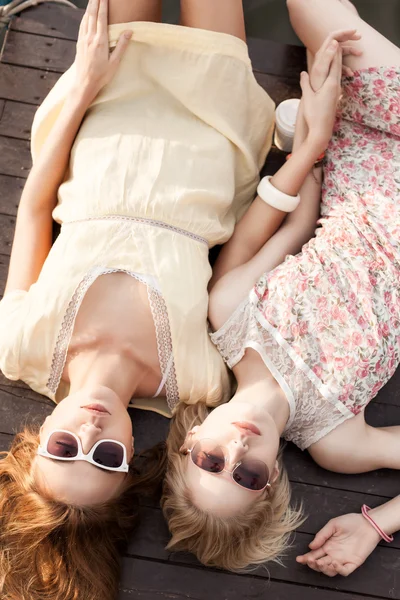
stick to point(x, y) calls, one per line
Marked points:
point(251, 474)
point(109, 454)
point(62, 445)
point(207, 455)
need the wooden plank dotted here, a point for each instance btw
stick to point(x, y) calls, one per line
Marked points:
point(3, 273)
point(279, 88)
point(7, 226)
point(390, 394)
point(16, 409)
point(52, 54)
point(53, 20)
point(277, 59)
point(16, 120)
point(25, 85)
point(15, 157)
point(148, 580)
point(149, 428)
point(2, 103)
point(10, 194)
point(5, 441)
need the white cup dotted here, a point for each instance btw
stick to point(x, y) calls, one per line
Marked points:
point(285, 116)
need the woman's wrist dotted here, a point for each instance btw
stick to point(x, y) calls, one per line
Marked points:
point(385, 519)
point(316, 144)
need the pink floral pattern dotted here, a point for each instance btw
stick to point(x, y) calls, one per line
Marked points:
point(330, 316)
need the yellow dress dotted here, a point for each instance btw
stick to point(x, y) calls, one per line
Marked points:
point(166, 160)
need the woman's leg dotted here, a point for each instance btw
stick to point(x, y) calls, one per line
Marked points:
point(314, 20)
point(225, 16)
point(125, 11)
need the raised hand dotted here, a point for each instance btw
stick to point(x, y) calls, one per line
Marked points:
point(341, 546)
point(320, 106)
point(342, 37)
point(94, 65)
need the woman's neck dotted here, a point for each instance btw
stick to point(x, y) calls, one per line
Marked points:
point(257, 386)
point(117, 371)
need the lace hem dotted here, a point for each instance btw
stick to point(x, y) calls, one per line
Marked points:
point(161, 324)
point(143, 221)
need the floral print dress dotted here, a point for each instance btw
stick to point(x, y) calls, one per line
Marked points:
point(327, 321)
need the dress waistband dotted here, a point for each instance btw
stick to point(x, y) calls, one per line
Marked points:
point(143, 221)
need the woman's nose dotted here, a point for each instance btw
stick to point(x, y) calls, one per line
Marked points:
point(89, 433)
point(237, 449)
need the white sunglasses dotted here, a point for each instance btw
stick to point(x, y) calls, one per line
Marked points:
point(109, 455)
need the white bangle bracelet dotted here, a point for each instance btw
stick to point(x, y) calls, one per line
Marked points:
point(274, 197)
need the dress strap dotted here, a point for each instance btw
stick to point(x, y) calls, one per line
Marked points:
point(165, 376)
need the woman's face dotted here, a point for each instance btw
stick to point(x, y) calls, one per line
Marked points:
point(79, 482)
point(228, 426)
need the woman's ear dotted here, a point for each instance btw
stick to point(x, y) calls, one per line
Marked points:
point(132, 450)
point(189, 440)
point(275, 473)
point(44, 423)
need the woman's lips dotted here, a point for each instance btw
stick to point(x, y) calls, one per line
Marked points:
point(97, 408)
point(247, 427)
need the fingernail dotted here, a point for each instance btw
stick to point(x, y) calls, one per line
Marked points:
point(128, 34)
point(333, 45)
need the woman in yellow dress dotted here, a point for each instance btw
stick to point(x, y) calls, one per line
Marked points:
point(147, 157)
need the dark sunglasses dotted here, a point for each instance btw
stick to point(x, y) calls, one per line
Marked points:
point(250, 474)
point(110, 455)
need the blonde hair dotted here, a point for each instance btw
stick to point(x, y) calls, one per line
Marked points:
point(256, 536)
point(53, 551)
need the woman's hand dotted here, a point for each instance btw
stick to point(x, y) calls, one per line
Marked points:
point(343, 37)
point(319, 106)
point(341, 546)
point(94, 66)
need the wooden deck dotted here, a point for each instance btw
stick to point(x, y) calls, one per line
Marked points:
point(39, 47)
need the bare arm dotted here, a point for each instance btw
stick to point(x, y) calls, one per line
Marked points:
point(261, 221)
point(33, 233)
point(93, 69)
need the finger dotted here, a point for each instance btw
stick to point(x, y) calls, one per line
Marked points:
point(312, 564)
point(93, 9)
point(329, 570)
point(315, 555)
point(345, 35)
point(337, 66)
point(347, 72)
point(120, 49)
point(323, 535)
point(325, 561)
point(351, 51)
point(102, 19)
point(344, 570)
point(323, 64)
point(305, 84)
point(83, 26)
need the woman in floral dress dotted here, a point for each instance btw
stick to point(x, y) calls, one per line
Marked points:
point(317, 336)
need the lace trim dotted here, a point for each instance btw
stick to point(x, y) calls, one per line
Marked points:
point(143, 221)
point(161, 322)
point(67, 326)
point(159, 311)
